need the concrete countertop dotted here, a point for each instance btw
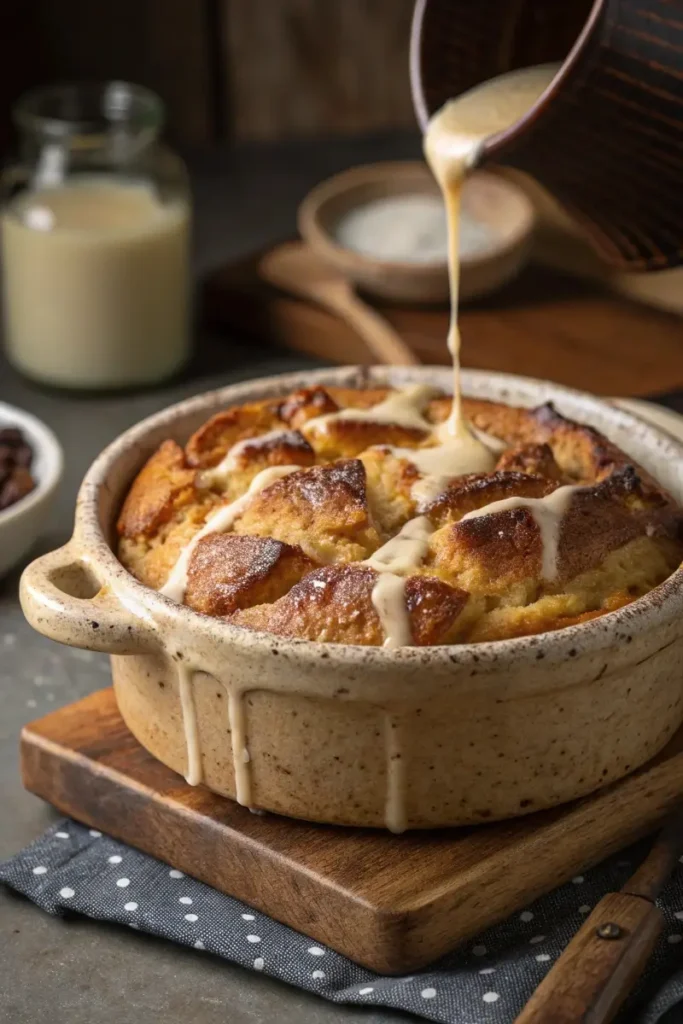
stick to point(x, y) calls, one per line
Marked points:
point(79, 971)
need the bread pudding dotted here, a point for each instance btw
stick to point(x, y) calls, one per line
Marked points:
point(333, 506)
point(334, 515)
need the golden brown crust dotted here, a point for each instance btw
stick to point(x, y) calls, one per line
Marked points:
point(467, 493)
point(292, 559)
point(228, 572)
point(307, 404)
point(208, 445)
point(334, 605)
point(324, 510)
point(163, 483)
point(532, 459)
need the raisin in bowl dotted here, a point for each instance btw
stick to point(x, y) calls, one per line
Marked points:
point(30, 470)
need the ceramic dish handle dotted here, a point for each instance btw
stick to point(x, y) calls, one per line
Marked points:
point(63, 599)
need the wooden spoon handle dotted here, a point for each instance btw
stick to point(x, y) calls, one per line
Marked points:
point(594, 975)
point(383, 341)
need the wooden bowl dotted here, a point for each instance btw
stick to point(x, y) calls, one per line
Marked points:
point(495, 201)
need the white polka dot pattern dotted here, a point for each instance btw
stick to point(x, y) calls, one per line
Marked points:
point(75, 869)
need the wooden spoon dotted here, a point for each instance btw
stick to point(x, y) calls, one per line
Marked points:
point(294, 267)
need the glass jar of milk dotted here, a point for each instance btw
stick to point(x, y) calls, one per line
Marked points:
point(95, 240)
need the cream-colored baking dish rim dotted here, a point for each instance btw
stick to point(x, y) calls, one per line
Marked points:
point(414, 738)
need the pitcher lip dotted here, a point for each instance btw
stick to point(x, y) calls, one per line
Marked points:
point(493, 145)
point(499, 140)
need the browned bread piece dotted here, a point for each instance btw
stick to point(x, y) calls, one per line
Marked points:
point(324, 510)
point(228, 572)
point(474, 491)
point(292, 559)
point(334, 605)
point(164, 485)
point(534, 459)
point(209, 444)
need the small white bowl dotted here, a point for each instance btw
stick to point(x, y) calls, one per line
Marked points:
point(22, 523)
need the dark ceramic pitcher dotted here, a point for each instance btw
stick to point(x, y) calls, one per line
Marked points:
point(607, 138)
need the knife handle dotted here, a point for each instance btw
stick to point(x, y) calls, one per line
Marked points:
point(594, 975)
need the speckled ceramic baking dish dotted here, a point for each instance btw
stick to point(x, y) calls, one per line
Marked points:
point(409, 738)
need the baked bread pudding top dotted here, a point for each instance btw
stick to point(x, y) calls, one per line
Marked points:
point(332, 515)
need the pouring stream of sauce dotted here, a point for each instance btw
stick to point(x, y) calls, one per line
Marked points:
point(452, 145)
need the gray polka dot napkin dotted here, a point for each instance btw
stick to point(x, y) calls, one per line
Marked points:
point(75, 869)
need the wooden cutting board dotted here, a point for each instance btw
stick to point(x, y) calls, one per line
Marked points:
point(545, 324)
point(391, 903)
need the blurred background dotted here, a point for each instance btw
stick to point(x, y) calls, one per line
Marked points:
point(234, 72)
point(228, 70)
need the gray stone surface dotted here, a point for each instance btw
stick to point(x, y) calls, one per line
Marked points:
point(82, 972)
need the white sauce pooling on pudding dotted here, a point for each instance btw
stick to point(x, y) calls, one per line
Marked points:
point(389, 601)
point(406, 550)
point(401, 408)
point(438, 466)
point(548, 513)
point(396, 559)
point(494, 444)
point(221, 521)
point(219, 476)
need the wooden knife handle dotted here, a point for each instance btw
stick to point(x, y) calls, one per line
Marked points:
point(594, 975)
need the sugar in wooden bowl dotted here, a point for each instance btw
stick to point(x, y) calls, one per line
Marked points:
point(383, 226)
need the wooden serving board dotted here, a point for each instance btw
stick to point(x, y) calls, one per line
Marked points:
point(391, 903)
point(544, 324)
